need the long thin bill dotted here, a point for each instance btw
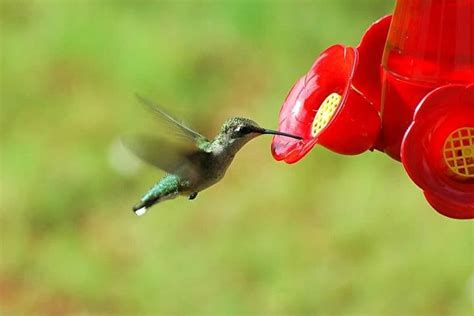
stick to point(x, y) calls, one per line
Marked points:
point(272, 132)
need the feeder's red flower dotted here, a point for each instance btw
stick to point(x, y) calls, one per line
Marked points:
point(337, 103)
point(438, 149)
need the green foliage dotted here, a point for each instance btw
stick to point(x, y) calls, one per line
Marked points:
point(331, 235)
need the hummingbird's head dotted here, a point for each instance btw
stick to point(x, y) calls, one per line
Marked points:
point(237, 131)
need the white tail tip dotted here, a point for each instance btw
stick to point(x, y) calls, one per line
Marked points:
point(141, 211)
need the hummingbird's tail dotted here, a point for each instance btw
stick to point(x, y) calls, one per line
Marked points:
point(141, 208)
point(150, 199)
point(167, 188)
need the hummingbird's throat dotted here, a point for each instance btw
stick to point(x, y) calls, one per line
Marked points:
point(325, 113)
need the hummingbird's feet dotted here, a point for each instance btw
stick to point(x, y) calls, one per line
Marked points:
point(193, 195)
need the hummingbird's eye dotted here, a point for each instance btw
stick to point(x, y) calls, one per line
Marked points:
point(242, 130)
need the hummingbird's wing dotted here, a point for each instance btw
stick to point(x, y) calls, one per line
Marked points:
point(167, 155)
point(179, 126)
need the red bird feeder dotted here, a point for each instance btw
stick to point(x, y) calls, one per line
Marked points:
point(406, 90)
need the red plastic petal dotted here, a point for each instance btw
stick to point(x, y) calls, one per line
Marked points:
point(459, 209)
point(367, 78)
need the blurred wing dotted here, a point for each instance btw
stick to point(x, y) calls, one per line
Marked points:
point(165, 155)
point(163, 116)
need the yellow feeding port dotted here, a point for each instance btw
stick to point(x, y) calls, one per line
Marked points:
point(325, 113)
point(459, 152)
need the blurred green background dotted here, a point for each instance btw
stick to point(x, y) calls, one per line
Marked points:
point(332, 235)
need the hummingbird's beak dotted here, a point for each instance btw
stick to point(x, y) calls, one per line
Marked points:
point(272, 132)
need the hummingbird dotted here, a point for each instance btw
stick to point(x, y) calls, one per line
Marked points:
point(191, 161)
